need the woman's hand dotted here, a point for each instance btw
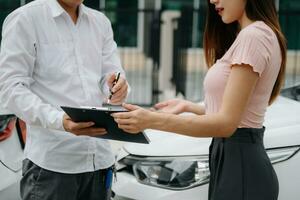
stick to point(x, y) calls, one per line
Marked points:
point(81, 128)
point(134, 121)
point(173, 106)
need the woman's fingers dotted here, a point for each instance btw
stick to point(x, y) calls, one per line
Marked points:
point(125, 126)
point(129, 129)
point(123, 121)
point(160, 105)
point(132, 131)
point(126, 115)
point(153, 109)
point(132, 121)
point(121, 115)
point(130, 107)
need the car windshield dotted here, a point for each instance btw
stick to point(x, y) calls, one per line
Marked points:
point(292, 92)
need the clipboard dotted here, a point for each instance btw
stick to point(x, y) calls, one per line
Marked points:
point(101, 116)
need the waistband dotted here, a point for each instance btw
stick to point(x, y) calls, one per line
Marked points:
point(246, 135)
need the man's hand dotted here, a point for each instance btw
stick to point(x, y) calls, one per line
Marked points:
point(119, 90)
point(81, 128)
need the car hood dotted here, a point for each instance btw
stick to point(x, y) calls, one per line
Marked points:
point(282, 129)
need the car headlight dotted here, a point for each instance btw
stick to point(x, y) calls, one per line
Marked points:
point(180, 173)
point(176, 173)
point(277, 155)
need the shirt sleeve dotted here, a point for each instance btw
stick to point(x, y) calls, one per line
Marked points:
point(252, 48)
point(111, 62)
point(17, 62)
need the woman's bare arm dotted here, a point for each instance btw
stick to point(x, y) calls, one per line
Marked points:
point(239, 88)
point(238, 91)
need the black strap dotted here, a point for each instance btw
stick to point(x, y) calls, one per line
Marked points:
point(19, 131)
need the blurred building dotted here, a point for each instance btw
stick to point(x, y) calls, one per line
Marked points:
point(160, 43)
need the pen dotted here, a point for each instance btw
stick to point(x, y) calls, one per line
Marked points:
point(113, 84)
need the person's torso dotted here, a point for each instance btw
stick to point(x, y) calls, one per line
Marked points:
point(217, 76)
point(68, 56)
point(67, 69)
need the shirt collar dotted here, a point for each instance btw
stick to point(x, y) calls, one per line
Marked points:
point(82, 9)
point(57, 10)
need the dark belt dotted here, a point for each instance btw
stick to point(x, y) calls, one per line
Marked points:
point(245, 135)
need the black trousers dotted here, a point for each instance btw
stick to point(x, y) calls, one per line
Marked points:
point(41, 184)
point(240, 168)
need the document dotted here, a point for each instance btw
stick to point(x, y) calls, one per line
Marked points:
point(102, 118)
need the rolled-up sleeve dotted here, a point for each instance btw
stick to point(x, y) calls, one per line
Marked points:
point(17, 64)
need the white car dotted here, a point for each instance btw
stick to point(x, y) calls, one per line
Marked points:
point(11, 156)
point(174, 167)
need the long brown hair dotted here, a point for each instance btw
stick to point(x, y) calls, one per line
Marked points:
point(218, 36)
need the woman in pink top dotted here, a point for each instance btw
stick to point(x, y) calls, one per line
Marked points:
point(246, 54)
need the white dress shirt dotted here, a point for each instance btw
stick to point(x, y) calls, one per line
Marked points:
point(46, 61)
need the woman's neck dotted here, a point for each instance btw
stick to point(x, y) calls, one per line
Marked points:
point(244, 21)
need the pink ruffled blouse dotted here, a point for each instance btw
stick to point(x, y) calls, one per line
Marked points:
point(257, 46)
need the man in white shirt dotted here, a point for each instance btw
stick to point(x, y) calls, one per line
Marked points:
point(53, 53)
